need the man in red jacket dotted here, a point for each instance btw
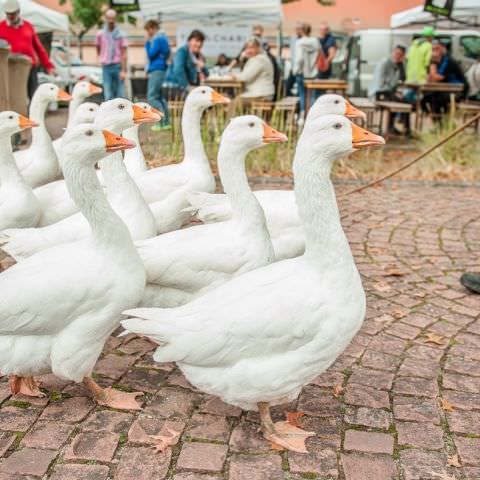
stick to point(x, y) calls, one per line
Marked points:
point(23, 40)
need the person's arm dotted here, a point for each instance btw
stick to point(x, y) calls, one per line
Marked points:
point(298, 58)
point(250, 72)
point(157, 46)
point(436, 74)
point(180, 69)
point(41, 53)
point(97, 45)
point(123, 58)
point(332, 50)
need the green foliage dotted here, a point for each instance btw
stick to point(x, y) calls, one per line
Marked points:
point(86, 14)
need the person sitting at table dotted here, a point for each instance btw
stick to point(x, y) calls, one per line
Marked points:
point(387, 76)
point(257, 75)
point(188, 67)
point(442, 69)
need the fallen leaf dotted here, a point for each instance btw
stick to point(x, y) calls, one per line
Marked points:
point(434, 338)
point(446, 405)
point(453, 461)
point(382, 287)
point(337, 390)
point(394, 272)
point(166, 438)
point(376, 250)
point(293, 418)
point(399, 313)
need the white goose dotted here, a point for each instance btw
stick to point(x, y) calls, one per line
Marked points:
point(76, 292)
point(258, 339)
point(134, 159)
point(165, 188)
point(184, 264)
point(279, 205)
point(81, 91)
point(38, 163)
point(122, 192)
point(18, 205)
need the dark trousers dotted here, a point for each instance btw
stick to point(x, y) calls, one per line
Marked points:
point(32, 83)
point(436, 103)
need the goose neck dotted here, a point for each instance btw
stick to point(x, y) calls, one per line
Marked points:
point(37, 112)
point(134, 158)
point(9, 172)
point(192, 136)
point(233, 175)
point(87, 193)
point(72, 108)
point(325, 241)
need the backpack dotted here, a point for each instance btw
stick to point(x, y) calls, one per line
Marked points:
point(322, 65)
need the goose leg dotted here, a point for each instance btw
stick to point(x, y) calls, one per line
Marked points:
point(25, 385)
point(284, 434)
point(110, 397)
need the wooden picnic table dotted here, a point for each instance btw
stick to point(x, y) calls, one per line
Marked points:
point(225, 85)
point(387, 108)
point(433, 87)
point(332, 85)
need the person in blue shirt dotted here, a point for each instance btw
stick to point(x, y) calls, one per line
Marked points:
point(158, 51)
point(188, 69)
point(329, 50)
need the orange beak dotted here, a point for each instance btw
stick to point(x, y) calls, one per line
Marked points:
point(93, 89)
point(270, 135)
point(114, 143)
point(24, 122)
point(63, 96)
point(363, 138)
point(218, 99)
point(353, 112)
point(158, 112)
point(142, 115)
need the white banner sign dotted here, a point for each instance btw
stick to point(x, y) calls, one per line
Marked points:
point(219, 39)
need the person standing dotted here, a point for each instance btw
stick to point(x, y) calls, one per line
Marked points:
point(158, 51)
point(188, 67)
point(305, 63)
point(112, 45)
point(419, 56)
point(327, 52)
point(23, 40)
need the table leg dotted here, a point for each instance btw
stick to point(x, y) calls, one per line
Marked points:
point(307, 99)
point(417, 111)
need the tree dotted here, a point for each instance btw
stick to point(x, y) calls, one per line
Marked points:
point(85, 15)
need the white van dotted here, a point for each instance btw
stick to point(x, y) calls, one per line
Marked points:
point(365, 48)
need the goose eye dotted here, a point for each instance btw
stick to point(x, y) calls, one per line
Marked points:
point(89, 133)
point(91, 109)
point(204, 91)
point(52, 88)
point(337, 101)
point(10, 117)
point(251, 124)
point(337, 126)
point(121, 106)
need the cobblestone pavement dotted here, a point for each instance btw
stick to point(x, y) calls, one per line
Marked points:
point(402, 402)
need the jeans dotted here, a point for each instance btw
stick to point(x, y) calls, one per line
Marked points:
point(155, 93)
point(302, 93)
point(112, 85)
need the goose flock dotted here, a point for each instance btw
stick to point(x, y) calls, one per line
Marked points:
point(252, 304)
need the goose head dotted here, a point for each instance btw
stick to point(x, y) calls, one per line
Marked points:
point(84, 89)
point(119, 114)
point(333, 104)
point(85, 113)
point(201, 98)
point(250, 132)
point(49, 92)
point(86, 144)
point(13, 122)
point(334, 136)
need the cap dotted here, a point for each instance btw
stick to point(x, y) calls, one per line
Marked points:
point(10, 6)
point(428, 32)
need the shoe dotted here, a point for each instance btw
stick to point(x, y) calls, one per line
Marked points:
point(160, 128)
point(471, 281)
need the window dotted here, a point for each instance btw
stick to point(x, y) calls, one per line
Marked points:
point(471, 46)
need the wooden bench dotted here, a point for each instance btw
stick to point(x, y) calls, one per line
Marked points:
point(468, 110)
point(369, 108)
point(387, 109)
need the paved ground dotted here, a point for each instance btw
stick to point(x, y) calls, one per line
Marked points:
point(402, 402)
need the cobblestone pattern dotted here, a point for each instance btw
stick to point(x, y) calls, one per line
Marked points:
point(402, 402)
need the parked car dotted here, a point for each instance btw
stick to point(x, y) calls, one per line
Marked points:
point(365, 48)
point(77, 69)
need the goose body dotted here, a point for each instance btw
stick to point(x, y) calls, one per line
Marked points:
point(279, 205)
point(18, 205)
point(38, 163)
point(183, 264)
point(122, 192)
point(258, 339)
point(77, 291)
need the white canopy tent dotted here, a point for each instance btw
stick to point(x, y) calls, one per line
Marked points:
point(43, 19)
point(465, 12)
point(233, 12)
